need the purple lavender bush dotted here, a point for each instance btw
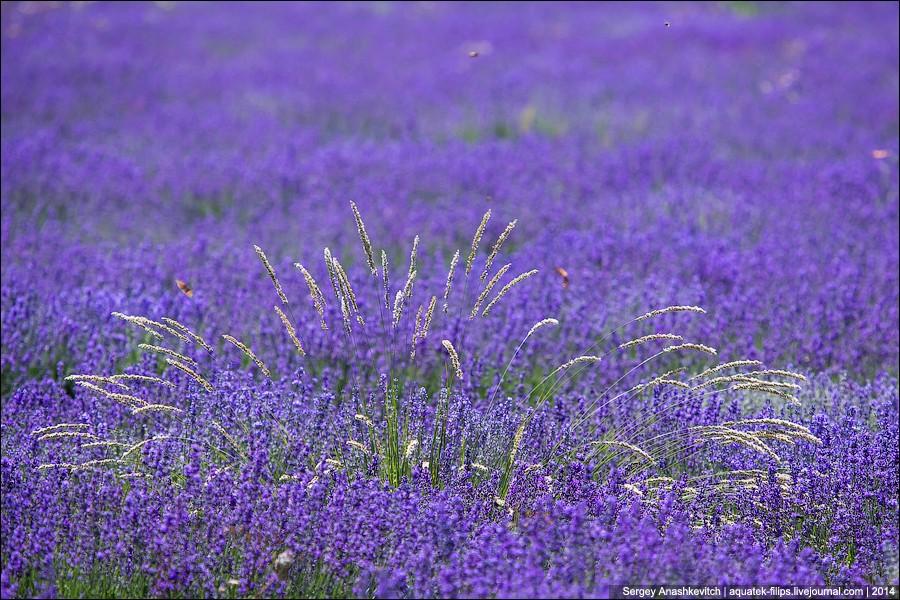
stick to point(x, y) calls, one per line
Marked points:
point(608, 296)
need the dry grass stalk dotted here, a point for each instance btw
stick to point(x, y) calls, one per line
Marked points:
point(779, 373)
point(398, 309)
point(315, 294)
point(58, 435)
point(454, 358)
point(540, 324)
point(332, 276)
point(450, 274)
point(429, 314)
point(162, 350)
point(725, 434)
point(670, 309)
point(249, 353)
point(496, 248)
point(364, 420)
point(690, 346)
point(60, 426)
point(479, 233)
point(658, 380)
point(96, 379)
point(506, 289)
point(674, 382)
point(407, 287)
point(413, 254)
point(415, 337)
point(86, 466)
point(142, 378)
point(364, 238)
point(735, 364)
point(126, 399)
point(140, 322)
point(633, 489)
point(421, 332)
point(170, 330)
point(105, 444)
point(755, 387)
point(359, 446)
point(347, 290)
point(192, 374)
point(411, 448)
point(131, 450)
point(769, 421)
point(229, 438)
point(650, 338)
point(517, 441)
point(627, 446)
point(292, 333)
point(746, 379)
point(151, 326)
point(195, 337)
point(487, 289)
point(385, 281)
point(271, 271)
point(576, 361)
point(164, 408)
point(403, 297)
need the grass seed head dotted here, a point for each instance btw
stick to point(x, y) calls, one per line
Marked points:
point(249, 353)
point(454, 358)
point(496, 248)
point(506, 289)
point(271, 271)
point(479, 233)
point(364, 238)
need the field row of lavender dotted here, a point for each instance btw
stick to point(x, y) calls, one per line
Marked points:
point(445, 300)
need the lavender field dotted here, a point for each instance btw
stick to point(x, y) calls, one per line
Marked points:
point(448, 300)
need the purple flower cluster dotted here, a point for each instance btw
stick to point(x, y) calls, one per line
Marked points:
point(375, 434)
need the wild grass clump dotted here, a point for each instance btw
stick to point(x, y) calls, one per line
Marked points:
point(394, 446)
